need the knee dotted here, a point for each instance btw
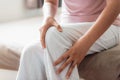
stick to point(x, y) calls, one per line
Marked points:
point(51, 32)
point(31, 50)
point(54, 38)
point(51, 35)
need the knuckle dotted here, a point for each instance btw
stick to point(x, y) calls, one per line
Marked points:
point(73, 66)
point(65, 65)
point(69, 61)
point(62, 57)
point(60, 69)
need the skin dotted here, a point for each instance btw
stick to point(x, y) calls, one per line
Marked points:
point(49, 9)
point(77, 52)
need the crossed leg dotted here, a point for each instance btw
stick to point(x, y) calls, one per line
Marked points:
point(37, 64)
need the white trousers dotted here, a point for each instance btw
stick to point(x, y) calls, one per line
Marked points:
point(37, 64)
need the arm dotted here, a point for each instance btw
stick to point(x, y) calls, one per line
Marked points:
point(78, 51)
point(103, 22)
point(50, 8)
point(49, 11)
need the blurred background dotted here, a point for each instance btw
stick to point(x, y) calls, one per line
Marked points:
point(19, 24)
point(11, 10)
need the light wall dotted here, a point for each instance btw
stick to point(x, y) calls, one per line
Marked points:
point(14, 10)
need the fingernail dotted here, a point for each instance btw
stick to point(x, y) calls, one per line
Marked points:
point(67, 77)
point(60, 29)
point(57, 72)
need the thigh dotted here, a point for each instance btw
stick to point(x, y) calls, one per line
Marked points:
point(58, 43)
point(72, 32)
point(108, 40)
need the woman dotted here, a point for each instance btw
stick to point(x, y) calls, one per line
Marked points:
point(85, 28)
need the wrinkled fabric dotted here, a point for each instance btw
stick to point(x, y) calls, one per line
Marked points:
point(37, 64)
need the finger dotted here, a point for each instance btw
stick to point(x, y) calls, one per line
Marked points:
point(71, 69)
point(57, 26)
point(64, 65)
point(42, 37)
point(59, 60)
point(40, 30)
point(62, 58)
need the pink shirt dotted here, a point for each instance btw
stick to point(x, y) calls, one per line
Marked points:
point(81, 10)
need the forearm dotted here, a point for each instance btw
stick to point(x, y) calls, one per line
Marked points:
point(50, 8)
point(103, 22)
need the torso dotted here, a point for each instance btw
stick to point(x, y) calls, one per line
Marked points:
point(81, 10)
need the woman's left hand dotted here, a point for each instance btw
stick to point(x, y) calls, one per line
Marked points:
point(73, 57)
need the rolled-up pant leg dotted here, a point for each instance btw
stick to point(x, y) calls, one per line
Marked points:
point(59, 42)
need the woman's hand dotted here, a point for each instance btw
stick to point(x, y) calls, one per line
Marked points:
point(50, 21)
point(73, 56)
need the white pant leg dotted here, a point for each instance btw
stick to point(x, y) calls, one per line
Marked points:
point(59, 42)
point(32, 64)
point(108, 40)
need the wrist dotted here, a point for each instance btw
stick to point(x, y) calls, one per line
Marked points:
point(85, 41)
point(47, 19)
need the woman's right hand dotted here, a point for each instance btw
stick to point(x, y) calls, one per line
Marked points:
point(48, 22)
